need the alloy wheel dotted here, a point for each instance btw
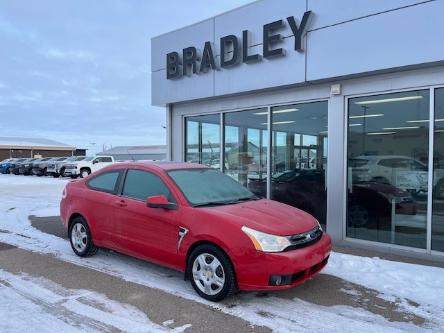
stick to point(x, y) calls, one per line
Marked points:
point(79, 237)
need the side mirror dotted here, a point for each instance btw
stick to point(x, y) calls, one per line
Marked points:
point(160, 201)
point(95, 161)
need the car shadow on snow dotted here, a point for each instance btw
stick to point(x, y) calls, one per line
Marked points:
point(323, 289)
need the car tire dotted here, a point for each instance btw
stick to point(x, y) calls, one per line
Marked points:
point(55, 175)
point(81, 239)
point(85, 172)
point(359, 216)
point(62, 172)
point(213, 282)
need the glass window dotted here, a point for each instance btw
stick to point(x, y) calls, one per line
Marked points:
point(246, 142)
point(103, 159)
point(203, 140)
point(438, 174)
point(142, 184)
point(388, 168)
point(105, 182)
point(299, 157)
point(194, 185)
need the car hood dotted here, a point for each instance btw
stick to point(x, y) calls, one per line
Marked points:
point(267, 216)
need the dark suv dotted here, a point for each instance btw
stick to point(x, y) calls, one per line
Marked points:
point(39, 168)
point(14, 166)
point(26, 166)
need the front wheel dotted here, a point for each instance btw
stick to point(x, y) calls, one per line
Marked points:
point(211, 273)
point(84, 173)
point(80, 238)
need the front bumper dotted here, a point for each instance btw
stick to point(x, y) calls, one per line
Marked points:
point(24, 170)
point(294, 267)
point(70, 172)
point(37, 171)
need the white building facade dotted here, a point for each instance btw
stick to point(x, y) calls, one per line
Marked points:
point(334, 107)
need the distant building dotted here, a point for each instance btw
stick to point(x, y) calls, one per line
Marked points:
point(137, 153)
point(13, 147)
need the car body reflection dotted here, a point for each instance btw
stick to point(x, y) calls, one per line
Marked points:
point(371, 203)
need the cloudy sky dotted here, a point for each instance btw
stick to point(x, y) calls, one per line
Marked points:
point(78, 71)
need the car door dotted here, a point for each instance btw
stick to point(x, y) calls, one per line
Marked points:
point(102, 199)
point(151, 233)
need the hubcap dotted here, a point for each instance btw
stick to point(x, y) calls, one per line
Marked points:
point(208, 274)
point(79, 237)
point(85, 174)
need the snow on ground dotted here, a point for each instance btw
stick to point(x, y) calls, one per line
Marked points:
point(24, 196)
point(49, 307)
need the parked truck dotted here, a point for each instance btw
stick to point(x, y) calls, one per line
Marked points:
point(87, 166)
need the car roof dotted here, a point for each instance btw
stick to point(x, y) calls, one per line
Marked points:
point(160, 165)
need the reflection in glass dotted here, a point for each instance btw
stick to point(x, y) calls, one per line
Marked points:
point(438, 174)
point(388, 168)
point(203, 140)
point(299, 136)
point(246, 142)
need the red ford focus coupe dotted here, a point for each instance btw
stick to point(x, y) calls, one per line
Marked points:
point(196, 220)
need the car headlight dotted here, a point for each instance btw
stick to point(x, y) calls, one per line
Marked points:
point(266, 242)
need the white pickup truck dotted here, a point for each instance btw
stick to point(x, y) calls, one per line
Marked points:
point(87, 166)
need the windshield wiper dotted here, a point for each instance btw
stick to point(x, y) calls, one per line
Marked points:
point(223, 203)
point(213, 203)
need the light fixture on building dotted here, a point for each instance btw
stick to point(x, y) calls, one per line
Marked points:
point(281, 122)
point(277, 111)
point(389, 100)
point(401, 128)
point(380, 133)
point(353, 125)
point(423, 121)
point(367, 116)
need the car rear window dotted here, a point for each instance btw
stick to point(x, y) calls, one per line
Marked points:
point(105, 182)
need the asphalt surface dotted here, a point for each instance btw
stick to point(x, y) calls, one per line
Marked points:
point(160, 306)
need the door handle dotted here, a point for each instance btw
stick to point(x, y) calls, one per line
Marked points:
point(121, 203)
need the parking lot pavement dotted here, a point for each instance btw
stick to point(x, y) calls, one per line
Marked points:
point(163, 309)
point(324, 290)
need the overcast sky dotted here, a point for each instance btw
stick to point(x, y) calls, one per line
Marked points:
point(79, 71)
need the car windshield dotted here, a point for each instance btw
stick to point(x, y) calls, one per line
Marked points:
point(79, 158)
point(89, 158)
point(209, 187)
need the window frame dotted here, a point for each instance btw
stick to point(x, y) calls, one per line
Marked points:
point(123, 181)
point(116, 185)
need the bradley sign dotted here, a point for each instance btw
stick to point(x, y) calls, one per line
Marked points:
point(234, 51)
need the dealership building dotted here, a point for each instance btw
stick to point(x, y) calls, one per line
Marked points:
point(334, 107)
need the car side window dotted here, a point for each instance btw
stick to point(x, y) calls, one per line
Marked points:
point(143, 184)
point(103, 159)
point(105, 182)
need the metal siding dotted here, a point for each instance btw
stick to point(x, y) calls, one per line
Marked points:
point(399, 38)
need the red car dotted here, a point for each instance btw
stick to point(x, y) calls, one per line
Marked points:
point(197, 220)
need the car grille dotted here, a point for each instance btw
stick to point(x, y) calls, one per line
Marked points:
point(70, 167)
point(305, 239)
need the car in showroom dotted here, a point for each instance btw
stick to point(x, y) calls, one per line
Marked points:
point(370, 202)
point(222, 237)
